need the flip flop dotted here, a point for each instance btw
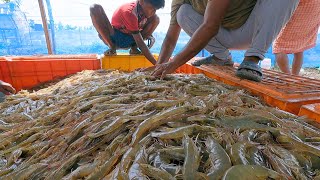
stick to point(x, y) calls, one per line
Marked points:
point(250, 71)
point(213, 60)
point(137, 52)
point(151, 40)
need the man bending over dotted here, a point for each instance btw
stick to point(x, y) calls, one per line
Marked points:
point(131, 24)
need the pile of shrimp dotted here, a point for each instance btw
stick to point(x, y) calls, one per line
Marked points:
point(116, 125)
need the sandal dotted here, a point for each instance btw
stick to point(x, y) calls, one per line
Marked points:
point(110, 52)
point(135, 52)
point(250, 70)
point(151, 40)
point(213, 60)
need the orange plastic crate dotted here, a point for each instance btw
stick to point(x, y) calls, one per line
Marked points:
point(29, 71)
point(284, 91)
point(312, 111)
point(37, 57)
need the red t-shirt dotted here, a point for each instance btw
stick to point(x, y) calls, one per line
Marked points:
point(129, 18)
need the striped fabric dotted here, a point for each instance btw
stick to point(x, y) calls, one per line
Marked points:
point(301, 31)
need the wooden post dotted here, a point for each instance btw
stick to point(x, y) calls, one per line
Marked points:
point(53, 36)
point(45, 26)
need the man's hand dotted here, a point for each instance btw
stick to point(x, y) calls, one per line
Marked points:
point(6, 88)
point(161, 70)
point(146, 69)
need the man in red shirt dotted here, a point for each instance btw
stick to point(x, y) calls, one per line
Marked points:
point(131, 24)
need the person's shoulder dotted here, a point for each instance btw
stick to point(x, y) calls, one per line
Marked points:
point(128, 7)
point(175, 1)
point(180, 2)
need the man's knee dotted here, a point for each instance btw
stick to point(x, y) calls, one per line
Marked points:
point(182, 14)
point(280, 56)
point(95, 8)
point(155, 20)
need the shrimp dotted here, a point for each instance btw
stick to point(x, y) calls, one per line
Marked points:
point(129, 156)
point(64, 168)
point(198, 118)
point(110, 128)
point(14, 157)
point(104, 169)
point(289, 160)
point(76, 131)
point(20, 137)
point(245, 124)
point(33, 159)
point(173, 152)
point(107, 113)
point(148, 95)
point(160, 163)
point(248, 135)
point(157, 120)
point(308, 161)
point(7, 127)
point(105, 139)
point(256, 157)
point(238, 153)
point(26, 173)
point(135, 171)
point(156, 173)
point(248, 172)
point(116, 174)
point(27, 141)
point(160, 104)
point(81, 172)
point(293, 142)
point(192, 159)
point(220, 160)
point(6, 171)
point(187, 130)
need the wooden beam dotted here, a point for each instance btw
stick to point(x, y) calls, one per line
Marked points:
point(45, 26)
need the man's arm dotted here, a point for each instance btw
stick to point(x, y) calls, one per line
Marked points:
point(213, 17)
point(6, 88)
point(215, 12)
point(169, 43)
point(143, 47)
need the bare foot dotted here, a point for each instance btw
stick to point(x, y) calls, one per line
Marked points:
point(110, 52)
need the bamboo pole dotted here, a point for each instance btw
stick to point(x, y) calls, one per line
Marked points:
point(45, 26)
point(53, 38)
